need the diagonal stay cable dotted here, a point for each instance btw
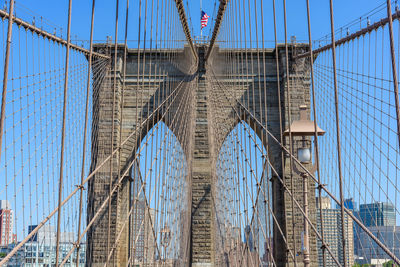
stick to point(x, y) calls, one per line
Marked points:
point(44, 34)
point(135, 158)
point(275, 171)
point(349, 212)
point(142, 180)
point(89, 177)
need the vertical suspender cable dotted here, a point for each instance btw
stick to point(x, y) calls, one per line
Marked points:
point(315, 130)
point(3, 103)
point(137, 127)
point(63, 131)
point(394, 68)
point(120, 131)
point(5, 78)
point(113, 125)
point(267, 198)
point(279, 99)
point(122, 104)
point(339, 156)
point(85, 133)
point(290, 130)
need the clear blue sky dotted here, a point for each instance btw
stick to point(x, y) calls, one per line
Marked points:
point(56, 12)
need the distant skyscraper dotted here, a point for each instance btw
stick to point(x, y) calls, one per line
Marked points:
point(236, 236)
point(267, 258)
point(389, 235)
point(143, 232)
point(332, 234)
point(372, 215)
point(349, 204)
point(248, 237)
point(378, 214)
point(47, 235)
point(139, 214)
point(138, 229)
point(325, 203)
point(352, 205)
point(6, 223)
point(40, 250)
point(150, 241)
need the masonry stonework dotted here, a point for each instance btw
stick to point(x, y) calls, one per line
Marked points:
point(201, 143)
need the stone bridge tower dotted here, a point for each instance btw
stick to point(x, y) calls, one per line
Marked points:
point(200, 144)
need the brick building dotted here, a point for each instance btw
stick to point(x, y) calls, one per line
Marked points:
point(6, 223)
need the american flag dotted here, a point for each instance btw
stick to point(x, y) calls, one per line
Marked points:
point(204, 19)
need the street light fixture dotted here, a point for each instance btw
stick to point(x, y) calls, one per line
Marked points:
point(304, 128)
point(165, 239)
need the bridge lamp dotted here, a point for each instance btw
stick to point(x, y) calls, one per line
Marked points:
point(304, 128)
point(165, 236)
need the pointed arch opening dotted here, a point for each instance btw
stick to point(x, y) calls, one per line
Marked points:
point(159, 230)
point(244, 226)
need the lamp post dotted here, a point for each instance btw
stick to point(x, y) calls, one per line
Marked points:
point(165, 239)
point(304, 128)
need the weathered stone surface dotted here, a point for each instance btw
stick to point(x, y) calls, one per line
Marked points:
point(254, 84)
point(133, 119)
point(202, 213)
point(201, 131)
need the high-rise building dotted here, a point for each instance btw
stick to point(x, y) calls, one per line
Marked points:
point(375, 216)
point(369, 250)
point(325, 203)
point(138, 216)
point(349, 204)
point(248, 237)
point(150, 241)
point(40, 250)
point(138, 230)
point(6, 223)
point(332, 224)
point(45, 235)
point(378, 214)
point(352, 205)
point(235, 237)
point(267, 258)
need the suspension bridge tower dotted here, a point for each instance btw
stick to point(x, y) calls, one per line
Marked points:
point(202, 148)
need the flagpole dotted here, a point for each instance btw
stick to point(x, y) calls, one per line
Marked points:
point(201, 28)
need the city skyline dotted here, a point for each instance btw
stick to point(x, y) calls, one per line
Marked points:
point(378, 217)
